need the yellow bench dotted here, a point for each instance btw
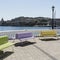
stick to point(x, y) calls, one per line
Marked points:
point(47, 34)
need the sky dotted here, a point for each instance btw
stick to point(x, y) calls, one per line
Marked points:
point(10, 9)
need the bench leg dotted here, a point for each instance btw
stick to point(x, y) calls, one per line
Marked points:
point(23, 41)
point(1, 54)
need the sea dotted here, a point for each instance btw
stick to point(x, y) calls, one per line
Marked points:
point(9, 28)
point(5, 28)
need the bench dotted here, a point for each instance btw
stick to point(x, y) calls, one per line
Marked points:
point(48, 34)
point(4, 42)
point(24, 36)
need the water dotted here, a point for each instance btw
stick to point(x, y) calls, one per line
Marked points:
point(4, 28)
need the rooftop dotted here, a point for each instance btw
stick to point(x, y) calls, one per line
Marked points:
point(35, 50)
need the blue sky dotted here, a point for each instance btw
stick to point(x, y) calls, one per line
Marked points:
point(29, 8)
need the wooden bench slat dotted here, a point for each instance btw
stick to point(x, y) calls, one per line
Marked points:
point(23, 35)
point(4, 42)
point(48, 34)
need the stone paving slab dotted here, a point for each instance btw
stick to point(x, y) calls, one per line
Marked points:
point(41, 50)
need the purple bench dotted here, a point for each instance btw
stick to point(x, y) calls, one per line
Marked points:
point(24, 35)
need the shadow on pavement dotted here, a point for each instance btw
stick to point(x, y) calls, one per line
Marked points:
point(25, 43)
point(5, 54)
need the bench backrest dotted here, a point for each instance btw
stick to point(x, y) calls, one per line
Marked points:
point(23, 35)
point(48, 33)
point(3, 39)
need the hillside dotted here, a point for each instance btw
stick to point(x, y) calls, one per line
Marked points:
point(29, 21)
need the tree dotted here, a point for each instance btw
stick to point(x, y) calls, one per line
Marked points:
point(2, 21)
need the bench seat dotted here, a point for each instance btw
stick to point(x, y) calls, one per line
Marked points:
point(48, 34)
point(5, 45)
point(24, 36)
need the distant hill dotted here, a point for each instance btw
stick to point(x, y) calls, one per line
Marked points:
point(29, 21)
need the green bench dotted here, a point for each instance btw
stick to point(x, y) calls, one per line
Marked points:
point(4, 42)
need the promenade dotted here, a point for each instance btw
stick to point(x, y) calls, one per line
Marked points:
point(36, 50)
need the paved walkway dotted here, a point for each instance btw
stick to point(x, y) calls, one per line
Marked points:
point(41, 50)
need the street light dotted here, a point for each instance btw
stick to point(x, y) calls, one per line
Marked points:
point(53, 17)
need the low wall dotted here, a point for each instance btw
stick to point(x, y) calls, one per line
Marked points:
point(12, 33)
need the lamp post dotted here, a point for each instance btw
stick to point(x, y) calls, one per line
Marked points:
point(53, 17)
